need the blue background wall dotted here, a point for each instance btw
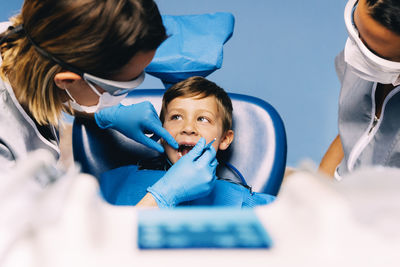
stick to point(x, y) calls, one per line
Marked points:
point(281, 51)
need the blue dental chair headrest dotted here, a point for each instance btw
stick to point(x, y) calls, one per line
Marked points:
point(258, 150)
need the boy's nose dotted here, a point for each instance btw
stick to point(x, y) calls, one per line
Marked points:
point(189, 128)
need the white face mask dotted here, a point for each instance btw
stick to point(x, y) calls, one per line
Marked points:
point(367, 70)
point(363, 62)
point(105, 100)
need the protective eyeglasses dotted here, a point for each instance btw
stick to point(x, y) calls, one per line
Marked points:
point(114, 88)
point(354, 35)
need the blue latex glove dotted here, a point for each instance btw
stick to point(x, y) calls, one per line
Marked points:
point(134, 121)
point(191, 177)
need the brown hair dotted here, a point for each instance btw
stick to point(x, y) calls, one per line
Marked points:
point(386, 12)
point(201, 87)
point(97, 37)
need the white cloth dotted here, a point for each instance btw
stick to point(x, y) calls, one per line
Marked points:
point(314, 222)
point(18, 133)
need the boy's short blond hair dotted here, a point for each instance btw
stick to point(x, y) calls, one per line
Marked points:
point(201, 87)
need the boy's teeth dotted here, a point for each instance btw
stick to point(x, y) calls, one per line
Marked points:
point(184, 149)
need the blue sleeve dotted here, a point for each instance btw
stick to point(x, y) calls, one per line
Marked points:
point(231, 195)
point(257, 199)
point(127, 185)
point(112, 181)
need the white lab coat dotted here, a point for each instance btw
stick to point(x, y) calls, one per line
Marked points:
point(18, 133)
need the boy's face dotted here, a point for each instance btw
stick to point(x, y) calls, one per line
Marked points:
point(188, 119)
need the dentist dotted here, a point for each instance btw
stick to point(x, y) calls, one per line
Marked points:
point(80, 57)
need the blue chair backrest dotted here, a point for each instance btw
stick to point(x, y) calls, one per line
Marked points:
point(258, 150)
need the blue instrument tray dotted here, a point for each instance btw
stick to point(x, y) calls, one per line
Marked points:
point(185, 228)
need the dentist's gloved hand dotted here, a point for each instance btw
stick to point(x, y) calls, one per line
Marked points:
point(134, 121)
point(191, 177)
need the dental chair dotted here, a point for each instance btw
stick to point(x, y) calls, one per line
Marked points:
point(258, 151)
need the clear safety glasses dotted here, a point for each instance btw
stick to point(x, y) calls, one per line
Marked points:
point(114, 88)
point(380, 62)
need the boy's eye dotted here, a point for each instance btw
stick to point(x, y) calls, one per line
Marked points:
point(175, 117)
point(203, 119)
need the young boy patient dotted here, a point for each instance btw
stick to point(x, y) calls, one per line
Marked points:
point(191, 109)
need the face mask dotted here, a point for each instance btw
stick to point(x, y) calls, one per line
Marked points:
point(362, 61)
point(365, 69)
point(105, 100)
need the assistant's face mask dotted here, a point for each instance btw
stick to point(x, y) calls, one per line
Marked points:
point(105, 100)
point(363, 62)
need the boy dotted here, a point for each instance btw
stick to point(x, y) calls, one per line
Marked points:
point(191, 109)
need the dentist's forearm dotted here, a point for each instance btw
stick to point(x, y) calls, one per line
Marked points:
point(332, 157)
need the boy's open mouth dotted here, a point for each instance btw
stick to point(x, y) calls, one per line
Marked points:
point(184, 149)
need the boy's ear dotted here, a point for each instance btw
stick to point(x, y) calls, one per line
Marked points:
point(226, 140)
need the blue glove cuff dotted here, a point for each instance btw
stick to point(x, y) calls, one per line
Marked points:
point(104, 118)
point(99, 121)
point(161, 202)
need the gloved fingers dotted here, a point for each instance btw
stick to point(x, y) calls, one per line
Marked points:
point(160, 132)
point(214, 163)
point(151, 113)
point(207, 157)
point(155, 118)
point(150, 116)
point(152, 108)
point(150, 123)
point(106, 117)
point(145, 105)
point(197, 149)
point(143, 139)
point(155, 137)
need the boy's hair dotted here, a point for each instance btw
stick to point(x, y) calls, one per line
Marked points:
point(386, 12)
point(96, 37)
point(201, 87)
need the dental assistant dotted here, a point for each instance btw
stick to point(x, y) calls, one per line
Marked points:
point(80, 57)
point(369, 104)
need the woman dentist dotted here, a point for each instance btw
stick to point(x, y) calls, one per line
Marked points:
point(82, 57)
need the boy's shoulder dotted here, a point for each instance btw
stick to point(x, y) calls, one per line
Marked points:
point(127, 185)
point(248, 197)
point(228, 193)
